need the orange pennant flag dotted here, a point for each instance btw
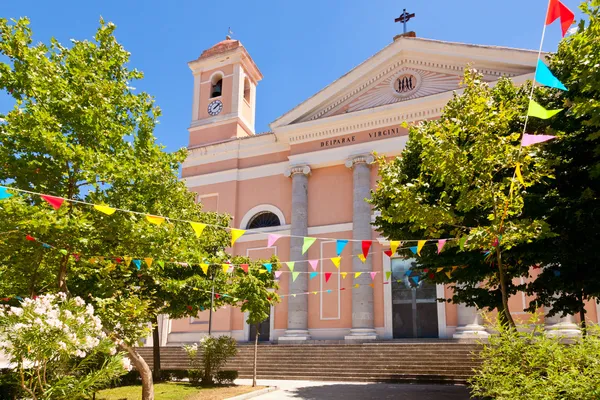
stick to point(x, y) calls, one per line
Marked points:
point(420, 245)
point(148, 261)
point(236, 234)
point(343, 274)
point(372, 285)
point(154, 219)
point(336, 261)
point(448, 274)
point(439, 269)
point(198, 228)
point(362, 258)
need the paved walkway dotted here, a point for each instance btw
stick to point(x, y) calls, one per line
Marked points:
point(312, 390)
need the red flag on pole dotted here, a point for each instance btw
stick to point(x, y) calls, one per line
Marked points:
point(556, 10)
point(366, 245)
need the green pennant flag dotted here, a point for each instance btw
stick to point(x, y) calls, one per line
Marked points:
point(535, 110)
point(387, 275)
point(308, 241)
point(462, 242)
point(290, 265)
point(295, 275)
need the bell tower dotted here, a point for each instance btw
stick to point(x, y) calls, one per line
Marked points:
point(225, 79)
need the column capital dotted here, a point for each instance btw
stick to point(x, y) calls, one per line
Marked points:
point(360, 159)
point(297, 169)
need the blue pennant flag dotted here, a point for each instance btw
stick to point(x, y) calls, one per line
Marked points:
point(415, 279)
point(201, 308)
point(312, 275)
point(556, 272)
point(545, 77)
point(268, 266)
point(138, 264)
point(413, 249)
point(339, 246)
point(4, 194)
point(46, 246)
point(328, 290)
point(407, 273)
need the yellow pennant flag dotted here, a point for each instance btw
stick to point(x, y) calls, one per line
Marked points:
point(204, 268)
point(420, 245)
point(536, 110)
point(394, 246)
point(295, 275)
point(236, 234)
point(105, 209)
point(362, 258)
point(518, 173)
point(290, 265)
point(156, 220)
point(357, 274)
point(308, 241)
point(127, 260)
point(198, 228)
point(356, 285)
point(92, 260)
point(148, 261)
point(262, 271)
point(225, 268)
point(454, 269)
point(448, 274)
point(343, 274)
point(336, 261)
point(439, 269)
point(294, 295)
point(111, 267)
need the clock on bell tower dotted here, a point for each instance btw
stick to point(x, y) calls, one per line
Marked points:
point(225, 79)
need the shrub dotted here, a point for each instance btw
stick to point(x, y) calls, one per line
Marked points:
point(534, 366)
point(215, 353)
point(58, 347)
point(194, 371)
point(226, 377)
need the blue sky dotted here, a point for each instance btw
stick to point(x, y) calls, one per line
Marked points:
point(300, 46)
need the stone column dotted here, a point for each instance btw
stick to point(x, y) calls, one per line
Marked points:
point(469, 323)
point(362, 297)
point(297, 327)
point(562, 326)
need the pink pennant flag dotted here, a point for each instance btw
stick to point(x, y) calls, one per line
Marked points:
point(440, 245)
point(528, 140)
point(278, 274)
point(373, 275)
point(327, 276)
point(313, 264)
point(244, 267)
point(272, 239)
point(55, 202)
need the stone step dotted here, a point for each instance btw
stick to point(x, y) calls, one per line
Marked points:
point(398, 378)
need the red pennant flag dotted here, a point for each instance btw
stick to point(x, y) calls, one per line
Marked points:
point(431, 275)
point(244, 267)
point(327, 276)
point(366, 245)
point(30, 238)
point(343, 289)
point(557, 10)
point(189, 308)
point(55, 202)
point(118, 260)
point(217, 295)
point(388, 253)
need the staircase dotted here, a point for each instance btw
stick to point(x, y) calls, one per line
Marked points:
point(411, 361)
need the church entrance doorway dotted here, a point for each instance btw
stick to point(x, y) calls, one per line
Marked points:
point(264, 329)
point(414, 304)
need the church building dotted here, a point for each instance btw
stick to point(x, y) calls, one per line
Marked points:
point(321, 153)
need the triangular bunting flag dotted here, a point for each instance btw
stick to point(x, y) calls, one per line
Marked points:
point(268, 266)
point(387, 253)
point(278, 274)
point(161, 263)
point(336, 261)
point(454, 269)
point(518, 174)
point(372, 285)
point(63, 251)
point(148, 261)
point(388, 274)
point(362, 258)
point(308, 241)
point(535, 110)
point(156, 220)
point(313, 264)
point(545, 77)
point(55, 202)
point(357, 274)
point(225, 268)
point(290, 265)
point(294, 295)
point(105, 209)
point(314, 292)
point(366, 245)
point(439, 269)
point(217, 295)
point(271, 239)
point(29, 238)
point(138, 264)
point(343, 274)
point(244, 268)
point(373, 274)
point(328, 291)
point(394, 246)
point(327, 276)
point(262, 271)
point(4, 194)
point(339, 246)
point(46, 246)
point(93, 260)
point(198, 228)
point(356, 285)
point(415, 279)
point(127, 260)
point(312, 275)
point(420, 245)
point(414, 249)
point(440, 245)
point(204, 268)
point(528, 140)
point(556, 9)
point(448, 274)
point(294, 276)
point(236, 234)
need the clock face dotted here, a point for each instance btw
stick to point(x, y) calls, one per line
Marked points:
point(215, 107)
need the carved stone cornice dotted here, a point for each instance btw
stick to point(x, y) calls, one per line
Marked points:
point(297, 169)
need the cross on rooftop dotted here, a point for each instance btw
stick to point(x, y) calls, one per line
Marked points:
point(404, 18)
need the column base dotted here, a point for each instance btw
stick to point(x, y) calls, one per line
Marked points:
point(361, 335)
point(295, 335)
point(472, 331)
point(563, 329)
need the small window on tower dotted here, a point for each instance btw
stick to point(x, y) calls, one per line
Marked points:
point(216, 86)
point(247, 90)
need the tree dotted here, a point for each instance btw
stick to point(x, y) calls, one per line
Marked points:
point(569, 274)
point(454, 181)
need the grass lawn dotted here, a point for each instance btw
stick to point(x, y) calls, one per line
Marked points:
point(175, 391)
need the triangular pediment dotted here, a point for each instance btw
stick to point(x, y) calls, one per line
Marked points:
point(406, 70)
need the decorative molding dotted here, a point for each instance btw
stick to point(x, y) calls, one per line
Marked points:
point(258, 209)
point(260, 171)
point(360, 159)
point(297, 169)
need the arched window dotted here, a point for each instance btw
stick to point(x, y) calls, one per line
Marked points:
point(216, 87)
point(247, 90)
point(263, 219)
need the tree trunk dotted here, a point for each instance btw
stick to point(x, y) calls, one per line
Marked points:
point(144, 370)
point(62, 274)
point(504, 289)
point(255, 354)
point(582, 315)
point(156, 351)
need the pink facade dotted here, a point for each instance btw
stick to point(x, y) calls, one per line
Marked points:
point(323, 142)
